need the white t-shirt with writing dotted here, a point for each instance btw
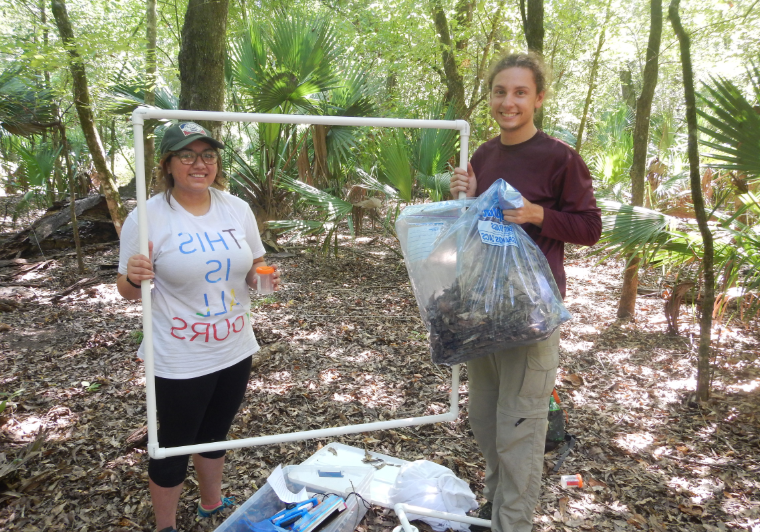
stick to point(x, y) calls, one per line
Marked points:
point(201, 307)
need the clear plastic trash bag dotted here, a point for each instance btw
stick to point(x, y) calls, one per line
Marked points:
point(481, 283)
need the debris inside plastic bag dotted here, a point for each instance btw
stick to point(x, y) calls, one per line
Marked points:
point(484, 285)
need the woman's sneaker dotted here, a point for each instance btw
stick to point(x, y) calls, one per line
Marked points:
point(224, 503)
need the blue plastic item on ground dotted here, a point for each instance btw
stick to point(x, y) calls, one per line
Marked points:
point(322, 513)
point(288, 516)
point(264, 504)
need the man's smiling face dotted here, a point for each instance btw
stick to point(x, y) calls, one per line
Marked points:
point(513, 102)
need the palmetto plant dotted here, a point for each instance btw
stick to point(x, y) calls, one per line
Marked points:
point(127, 95)
point(24, 109)
point(332, 211)
point(283, 64)
point(612, 155)
point(403, 164)
point(733, 126)
point(421, 160)
point(37, 165)
point(733, 134)
point(294, 64)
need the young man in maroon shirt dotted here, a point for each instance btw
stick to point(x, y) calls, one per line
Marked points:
point(509, 390)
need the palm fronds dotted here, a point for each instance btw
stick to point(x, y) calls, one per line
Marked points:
point(38, 163)
point(370, 182)
point(285, 63)
point(434, 147)
point(437, 186)
point(627, 230)
point(734, 124)
point(24, 109)
point(333, 208)
point(129, 95)
point(395, 164)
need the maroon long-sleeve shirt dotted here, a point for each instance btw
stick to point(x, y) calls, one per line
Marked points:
point(547, 172)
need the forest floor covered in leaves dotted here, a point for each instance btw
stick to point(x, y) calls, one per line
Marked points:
point(343, 344)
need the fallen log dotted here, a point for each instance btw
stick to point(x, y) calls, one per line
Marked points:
point(26, 242)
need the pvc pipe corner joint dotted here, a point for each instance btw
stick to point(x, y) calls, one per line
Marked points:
point(137, 115)
point(156, 452)
point(464, 127)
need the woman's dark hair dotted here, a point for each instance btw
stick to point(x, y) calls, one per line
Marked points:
point(167, 179)
point(531, 61)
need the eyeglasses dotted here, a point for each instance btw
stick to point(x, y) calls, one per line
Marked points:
point(188, 157)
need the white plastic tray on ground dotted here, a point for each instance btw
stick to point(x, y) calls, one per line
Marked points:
point(386, 467)
point(264, 503)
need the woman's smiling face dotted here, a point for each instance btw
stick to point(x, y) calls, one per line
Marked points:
point(197, 177)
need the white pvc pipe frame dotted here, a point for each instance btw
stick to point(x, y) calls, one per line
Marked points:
point(401, 510)
point(138, 119)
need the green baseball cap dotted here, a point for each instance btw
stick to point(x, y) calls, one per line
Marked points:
point(180, 135)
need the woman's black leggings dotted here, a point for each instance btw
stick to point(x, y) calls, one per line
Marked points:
point(198, 410)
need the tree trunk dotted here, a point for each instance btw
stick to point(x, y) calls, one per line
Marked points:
point(592, 79)
point(453, 78)
point(150, 91)
point(479, 90)
point(628, 92)
point(627, 304)
point(202, 57)
point(464, 10)
point(705, 323)
point(86, 117)
point(73, 198)
point(533, 27)
point(533, 24)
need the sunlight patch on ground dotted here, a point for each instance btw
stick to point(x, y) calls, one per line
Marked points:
point(435, 409)
point(707, 432)
point(23, 428)
point(745, 387)
point(375, 396)
point(585, 508)
point(619, 508)
point(578, 299)
point(343, 397)
point(576, 346)
point(667, 396)
point(575, 272)
point(130, 310)
point(620, 356)
point(281, 376)
point(579, 398)
point(107, 292)
point(700, 490)
point(276, 389)
point(329, 375)
point(635, 442)
point(361, 358)
point(581, 328)
point(689, 383)
point(314, 337)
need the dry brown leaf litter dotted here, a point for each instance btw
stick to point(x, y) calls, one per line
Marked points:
point(343, 344)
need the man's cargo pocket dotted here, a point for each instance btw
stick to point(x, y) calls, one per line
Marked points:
point(541, 368)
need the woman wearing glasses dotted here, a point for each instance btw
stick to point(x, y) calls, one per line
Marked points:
point(204, 251)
